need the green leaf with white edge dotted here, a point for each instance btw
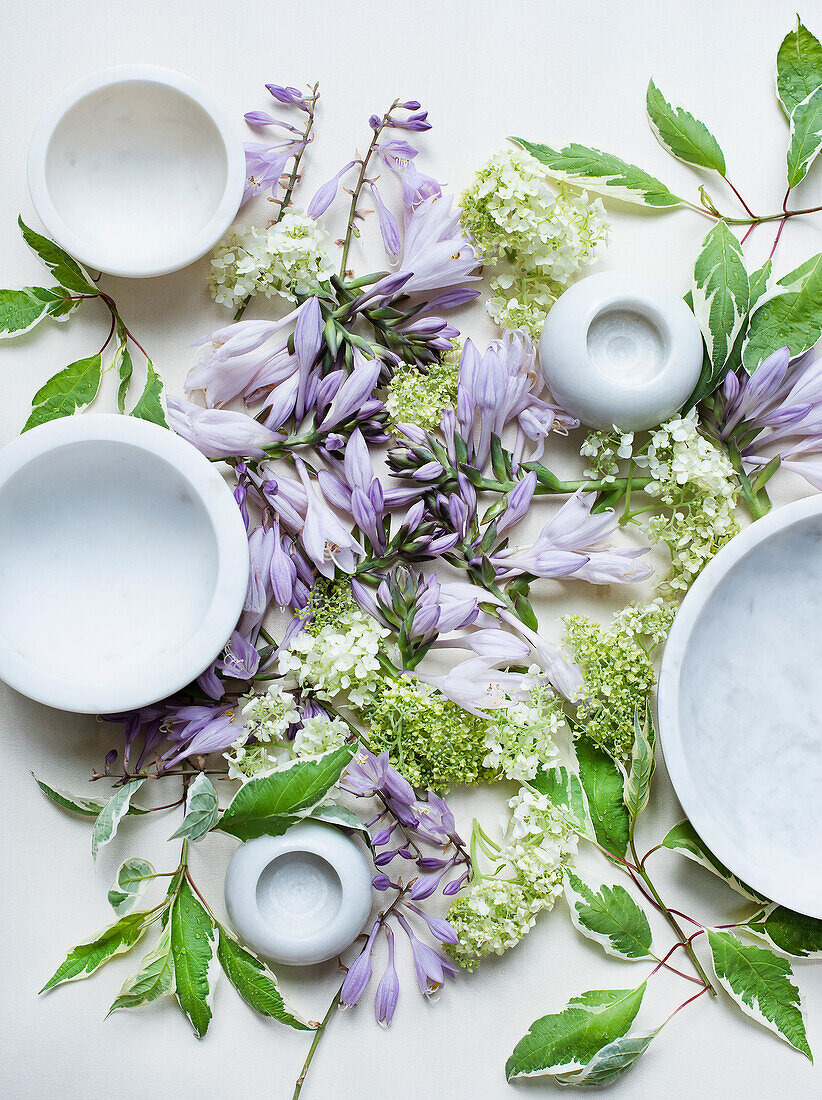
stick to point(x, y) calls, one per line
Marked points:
point(133, 876)
point(758, 283)
point(609, 916)
point(611, 1062)
point(21, 310)
point(758, 286)
point(63, 267)
point(603, 784)
point(682, 135)
point(256, 983)
point(798, 67)
point(266, 803)
point(123, 365)
point(761, 983)
point(67, 392)
point(792, 318)
point(683, 839)
point(153, 980)
point(637, 787)
point(720, 294)
point(151, 405)
point(202, 809)
point(86, 807)
point(337, 815)
point(194, 954)
point(791, 933)
point(602, 173)
point(105, 827)
point(90, 955)
point(564, 790)
point(806, 137)
point(795, 279)
point(566, 1041)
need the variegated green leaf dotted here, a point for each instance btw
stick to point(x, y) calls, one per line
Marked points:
point(682, 135)
point(255, 982)
point(720, 295)
point(798, 67)
point(792, 933)
point(76, 804)
point(67, 392)
point(565, 791)
point(637, 787)
point(202, 809)
point(105, 827)
point(611, 1062)
point(792, 317)
point(609, 916)
point(153, 980)
point(603, 783)
point(133, 876)
point(806, 137)
point(151, 405)
point(63, 267)
point(21, 310)
point(90, 955)
point(193, 953)
point(337, 815)
point(683, 839)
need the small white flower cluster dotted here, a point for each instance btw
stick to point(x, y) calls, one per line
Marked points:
point(496, 912)
point(267, 718)
point(647, 623)
point(289, 258)
point(522, 737)
point(338, 658)
point(541, 234)
point(696, 479)
point(605, 449)
point(318, 735)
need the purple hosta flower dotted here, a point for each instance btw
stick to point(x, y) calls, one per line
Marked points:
point(572, 543)
point(352, 396)
point(325, 539)
point(431, 968)
point(429, 333)
point(388, 991)
point(389, 228)
point(359, 973)
point(326, 194)
point(561, 673)
point(292, 96)
point(417, 122)
point(210, 683)
point(147, 722)
point(396, 153)
point(264, 164)
point(438, 926)
point(477, 686)
point(219, 433)
point(261, 543)
point(518, 502)
point(241, 659)
point(435, 249)
point(262, 118)
point(282, 571)
point(198, 731)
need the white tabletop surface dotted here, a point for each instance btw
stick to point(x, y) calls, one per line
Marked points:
point(552, 71)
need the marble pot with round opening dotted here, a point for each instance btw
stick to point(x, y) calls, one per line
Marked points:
point(299, 898)
point(136, 170)
point(123, 563)
point(621, 349)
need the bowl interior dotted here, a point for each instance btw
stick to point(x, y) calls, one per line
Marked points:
point(136, 168)
point(300, 894)
point(749, 704)
point(108, 566)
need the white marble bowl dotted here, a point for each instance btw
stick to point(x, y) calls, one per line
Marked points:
point(299, 898)
point(619, 348)
point(740, 699)
point(136, 170)
point(123, 563)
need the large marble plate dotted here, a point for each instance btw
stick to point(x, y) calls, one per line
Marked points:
point(740, 706)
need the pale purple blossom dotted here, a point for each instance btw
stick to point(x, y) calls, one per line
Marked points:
point(219, 433)
point(264, 164)
point(326, 194)
point(292, 96)
point(325, 539)
point(389, 228)
point(436, 250)
point(388, 991)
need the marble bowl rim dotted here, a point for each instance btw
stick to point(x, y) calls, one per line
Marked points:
point(231, 577)
point(113, 261)
point(747, 866)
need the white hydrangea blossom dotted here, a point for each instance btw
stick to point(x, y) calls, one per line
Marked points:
point(319, 734)
point(500, 908)
point(267, 718)
point(540, 232)
point(338, 658)
point(289, 258)
point(522, 738)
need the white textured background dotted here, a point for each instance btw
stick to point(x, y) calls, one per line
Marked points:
point(552, 71)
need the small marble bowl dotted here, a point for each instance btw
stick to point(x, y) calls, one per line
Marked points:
point(621, 349)
point(136, 170)
point(299, 898)
point(123, 563)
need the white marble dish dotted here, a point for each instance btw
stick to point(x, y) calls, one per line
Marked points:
point(136, 170)
point(620, 348)
point(123, 563)
point(740, 700)
point(299, 898)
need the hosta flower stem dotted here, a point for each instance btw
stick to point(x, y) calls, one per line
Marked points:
point(315, 1042)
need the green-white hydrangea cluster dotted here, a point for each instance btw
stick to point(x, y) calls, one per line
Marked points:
point(420, 398)
point(261, 742)
point(502, 905)
point(537, 234)
point(338, 658)
point(320, 734)
point(289, 258)
point(522, 738)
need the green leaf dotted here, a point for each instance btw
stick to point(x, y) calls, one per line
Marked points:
point(806, 137)
point(603, 785)
point(193, 952)
point(566, 1041)
point(153, 980)
point(793, 933)
point(609, 916)
point(68, 391)
point(798, 67)
point(63, 267)
point(256, 984)
point(603, 174)
point(792, 318)
point(684, 136)
point(761, 983)
point(202, 809)
point(21, 310)
point(151, 405)
point(565, 791)
point(337, 815)
point(720, 294)
point(264, 804)
point(133, 876)
point(758, 283)
point(123, 365)
point(90, 955)
point(86, 807)
point(637, 786)
point(611, 1062)
point(683, 839)
point(105, 827)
